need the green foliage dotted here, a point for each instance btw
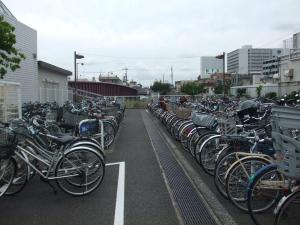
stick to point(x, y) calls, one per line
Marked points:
point(258, 90)
point(219, 89)
point(162, 88)
point(193, 88)
point(241, 91)
point(10, 57)
point(271, 95)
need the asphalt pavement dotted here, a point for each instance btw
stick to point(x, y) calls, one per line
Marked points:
point(147, 198)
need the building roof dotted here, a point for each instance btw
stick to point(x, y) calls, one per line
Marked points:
point(50, 67)
point(5, 11)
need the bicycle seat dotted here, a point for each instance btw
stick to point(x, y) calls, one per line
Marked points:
point(63, 139)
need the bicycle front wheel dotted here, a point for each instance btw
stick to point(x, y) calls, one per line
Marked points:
point(80, 171)
point(238, 177)
point(288, 211)
point(7, 173)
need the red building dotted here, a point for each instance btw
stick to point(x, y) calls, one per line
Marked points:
point(106, 89)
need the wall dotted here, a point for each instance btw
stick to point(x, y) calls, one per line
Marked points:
point(52, 86)
point(282, 89)
point(27, 75)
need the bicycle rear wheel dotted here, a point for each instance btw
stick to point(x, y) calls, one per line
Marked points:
point(80, 171)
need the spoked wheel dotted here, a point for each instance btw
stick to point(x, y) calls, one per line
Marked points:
point(288, 210)
point(80, 171)
point(7, 173)
point(238, 178)
point(209, 151)
point(20, 178)
point(224, 161)
point(264, 191)
point(109, 134)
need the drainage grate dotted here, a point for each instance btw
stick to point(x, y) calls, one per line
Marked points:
point(191, 207)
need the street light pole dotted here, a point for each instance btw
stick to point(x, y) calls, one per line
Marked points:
point(223, 57)
point(224, 74)
point(76, 56)
point(75, 77)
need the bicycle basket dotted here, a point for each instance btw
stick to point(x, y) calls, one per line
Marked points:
point(8, 142)
point(285, 120)
point(203, 120)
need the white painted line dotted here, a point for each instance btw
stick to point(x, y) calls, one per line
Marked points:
point(119, 210)
point(112, 164)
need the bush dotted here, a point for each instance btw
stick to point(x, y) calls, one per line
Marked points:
point(271, 95)
point(241, 91)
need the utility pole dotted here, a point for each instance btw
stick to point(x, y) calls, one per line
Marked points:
point(163, 78)
point(125, 76)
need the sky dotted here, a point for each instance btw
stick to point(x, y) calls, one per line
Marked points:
point(148, 37)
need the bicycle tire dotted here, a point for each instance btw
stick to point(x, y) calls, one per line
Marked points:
point(286, 205)
point(242, 179)
point(72, 187)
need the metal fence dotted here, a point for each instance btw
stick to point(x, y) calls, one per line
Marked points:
point(10, 101)
point(62, 95)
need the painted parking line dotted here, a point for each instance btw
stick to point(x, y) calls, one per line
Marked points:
point(119, 209)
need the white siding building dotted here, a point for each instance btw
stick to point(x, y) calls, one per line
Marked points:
point(27, 75)
point(53, 83)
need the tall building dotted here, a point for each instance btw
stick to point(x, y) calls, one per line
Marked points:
point(296, 40)
point(249, 61)
point(210, 65)
point(26, 41)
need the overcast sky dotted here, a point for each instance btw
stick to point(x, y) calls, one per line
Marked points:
point(149, 36)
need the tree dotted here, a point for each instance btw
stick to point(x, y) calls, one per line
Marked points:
point(258, 90)
point(192, 88)
point(162, 88)
point(10, 57)
point(241, 91)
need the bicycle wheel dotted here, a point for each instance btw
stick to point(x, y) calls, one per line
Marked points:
point(288, 209)
point(7, 173)
point(21, 176)
point(238, 177)
point(80, 171)
point(201, 137)
point(264, 191)
point(224, 161)
point(109, 134)
point(208, 153)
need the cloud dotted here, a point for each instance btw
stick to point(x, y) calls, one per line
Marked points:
point(150, 36)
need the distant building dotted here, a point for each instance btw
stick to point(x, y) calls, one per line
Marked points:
point(179, 83)
point(53, 83)
point(249, 61)
point(110, 79)
point(296, 40)
point(210, 65)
